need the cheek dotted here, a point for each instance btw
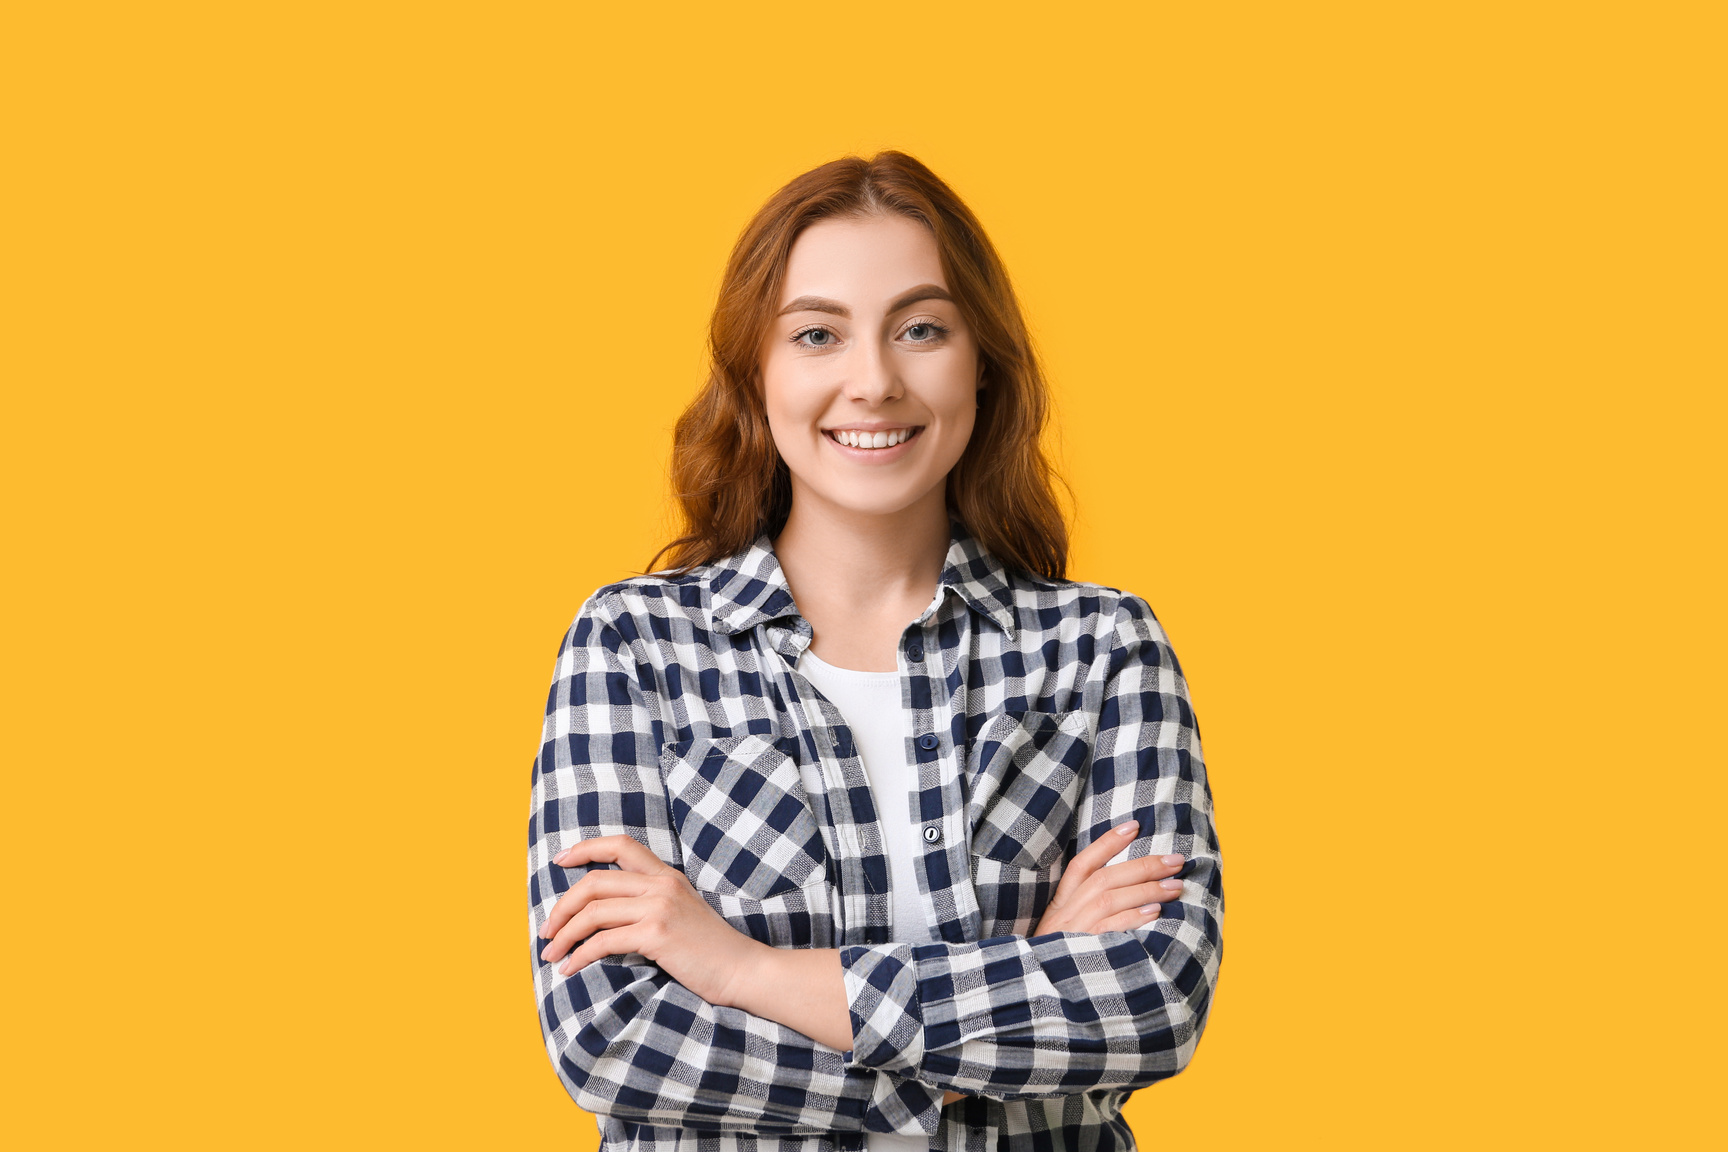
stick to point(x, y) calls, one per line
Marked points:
point(961, 426)
point(949, 384)
point(955, 401)
point(792, 411)
point(778, 394)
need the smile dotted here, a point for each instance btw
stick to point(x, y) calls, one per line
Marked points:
point(872, 439)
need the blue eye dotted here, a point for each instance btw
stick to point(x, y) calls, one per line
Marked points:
point(936, 332)
point(798, 337)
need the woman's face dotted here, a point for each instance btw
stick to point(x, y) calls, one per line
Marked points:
point(867, 349)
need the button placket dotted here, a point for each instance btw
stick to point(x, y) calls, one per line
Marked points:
point(861, 907)
point(838, 753)
point(941, 762)
point(843, 751)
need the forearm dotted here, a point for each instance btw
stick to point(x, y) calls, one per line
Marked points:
point(805, 989)
point(802, 988)
point(1048, 1016)
point(605, 1031)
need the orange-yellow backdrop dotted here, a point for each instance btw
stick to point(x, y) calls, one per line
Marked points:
point(342, 346)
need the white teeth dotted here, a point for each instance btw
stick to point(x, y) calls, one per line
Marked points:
point(858, 439)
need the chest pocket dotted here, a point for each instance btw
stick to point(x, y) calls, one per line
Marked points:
point(1026, 773)
point(743, 818)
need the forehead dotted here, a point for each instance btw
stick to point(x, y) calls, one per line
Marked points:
point(861, 261)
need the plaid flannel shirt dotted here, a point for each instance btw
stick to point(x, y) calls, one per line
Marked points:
point(1043, 713)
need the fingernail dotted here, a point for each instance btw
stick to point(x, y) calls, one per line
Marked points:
point(1128, 828)
point(1150, 909)
point(1173, 859)
point(546, 952)
point(1170, 885)
point(559, 859)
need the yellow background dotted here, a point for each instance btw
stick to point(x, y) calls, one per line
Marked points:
point(342, 345)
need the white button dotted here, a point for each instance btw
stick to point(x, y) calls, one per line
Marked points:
point(932, 833)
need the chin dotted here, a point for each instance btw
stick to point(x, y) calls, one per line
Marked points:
point(858, 500)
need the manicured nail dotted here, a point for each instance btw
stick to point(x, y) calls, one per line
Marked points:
point(546, 952)
point(559, 859)
point(1174, 859)
point(1151, 909)
point(1171, 885)
point(1128, 828)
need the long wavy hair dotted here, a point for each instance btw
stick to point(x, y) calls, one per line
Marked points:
point(730, 482)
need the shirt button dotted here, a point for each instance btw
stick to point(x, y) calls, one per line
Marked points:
point(916, 652)
point(928, 741)
point(932, 833)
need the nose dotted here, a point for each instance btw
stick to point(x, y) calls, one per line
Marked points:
point(872, 376)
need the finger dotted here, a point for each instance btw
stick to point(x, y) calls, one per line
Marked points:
point(613, 942)
point(1130, 920)
point(1090, 858)
point(1142, 870)
point(1112, 901)
point(597, 916)
point(1129, 873)
point(1144, 867)
point(593, 886)
point(621, 850)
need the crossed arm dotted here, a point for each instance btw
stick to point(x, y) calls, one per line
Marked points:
point(1087, 1002)
point(648, 907)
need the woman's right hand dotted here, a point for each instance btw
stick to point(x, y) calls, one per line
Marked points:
point(1093, 898)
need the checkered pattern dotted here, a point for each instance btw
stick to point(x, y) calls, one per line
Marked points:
point(1042, 713)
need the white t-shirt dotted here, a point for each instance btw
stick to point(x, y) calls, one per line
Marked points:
point(870, 702)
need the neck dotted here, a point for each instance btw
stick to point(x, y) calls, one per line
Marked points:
point(868, 561)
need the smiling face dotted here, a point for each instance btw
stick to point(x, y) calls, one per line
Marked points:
point(869, 373)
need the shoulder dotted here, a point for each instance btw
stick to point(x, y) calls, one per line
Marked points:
point(640, 606)
point(1043, 605)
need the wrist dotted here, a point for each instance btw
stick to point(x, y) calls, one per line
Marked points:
point(751, 967)
point(802, 988)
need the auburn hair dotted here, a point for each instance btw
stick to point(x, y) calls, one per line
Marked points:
point(729, 480)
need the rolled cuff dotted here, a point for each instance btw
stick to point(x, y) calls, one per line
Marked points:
point(905, 1107)
point(882, 999)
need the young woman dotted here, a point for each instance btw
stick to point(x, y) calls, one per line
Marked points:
point(860, 826)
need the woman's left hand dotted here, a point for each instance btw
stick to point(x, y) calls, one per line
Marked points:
point(649, 907)
point(1095, 897)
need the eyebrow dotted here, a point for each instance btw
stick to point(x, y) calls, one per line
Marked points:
point(823, 304)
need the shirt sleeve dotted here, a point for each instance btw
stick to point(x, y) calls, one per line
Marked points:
point(1068, 1012)
point(626, 1039)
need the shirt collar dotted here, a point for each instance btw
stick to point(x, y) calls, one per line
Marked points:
point(748, 588)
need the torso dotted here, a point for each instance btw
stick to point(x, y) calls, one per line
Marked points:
point(871, 704)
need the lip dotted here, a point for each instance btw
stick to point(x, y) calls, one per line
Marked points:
point(873, 455)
